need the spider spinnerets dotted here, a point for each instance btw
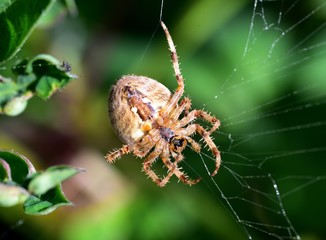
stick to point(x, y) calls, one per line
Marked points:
point(146, 117)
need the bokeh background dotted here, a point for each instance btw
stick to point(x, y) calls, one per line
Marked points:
point(267, 89)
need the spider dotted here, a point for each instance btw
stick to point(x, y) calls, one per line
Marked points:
point(147, 118)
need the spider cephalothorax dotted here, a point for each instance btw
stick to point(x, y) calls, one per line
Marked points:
point(147, 118)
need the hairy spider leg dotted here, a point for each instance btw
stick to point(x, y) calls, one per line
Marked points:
point(179, 91)
point(150, 159)
point(112, 156)
point(184, 106)
point(171, 169)
point(191, 129)
point(202, 114)
point(162, 150)
point(195, 146)
point(174, 170)
point(148, 143)
point(145, 145)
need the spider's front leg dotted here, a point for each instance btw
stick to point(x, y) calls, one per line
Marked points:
point(174, 57)
point(184, 106)
point(201, 114)
point(174, 169)
point(191, 129)
point(150, 159)
point(112, 156)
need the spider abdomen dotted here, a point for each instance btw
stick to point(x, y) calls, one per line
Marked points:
point(134, 103)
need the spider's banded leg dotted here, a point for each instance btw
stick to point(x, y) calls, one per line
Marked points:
point(195, 146)
point(173, 169)
point(213, 120)
point(184, 105)
point(170, 166)
point(187, 105)
point(205, 135)
point(112, 156)
point(202, 114)
point(173, 52)
point(150, 159)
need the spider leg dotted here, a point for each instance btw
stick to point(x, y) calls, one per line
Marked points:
point(166, 179)
point(179, 91)
point(187, 104)
point(206, 136)
point(150, 159)
point(144, 146)
point(202, 114)
point(195, 146)
point(112, 156)
point(140, 149)
point(173, 169)
point(184, 105)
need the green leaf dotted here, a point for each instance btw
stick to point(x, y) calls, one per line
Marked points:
point(19, 165)
point(17, 20)
point(51, 74)
point(46, 203)
point(17, 172)
point(43, 182)
point(11, 195)
point(47, 86)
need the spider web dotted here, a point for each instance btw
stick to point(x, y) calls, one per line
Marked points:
point(272, 149)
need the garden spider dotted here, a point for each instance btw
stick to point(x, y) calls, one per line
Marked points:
point(146, 115)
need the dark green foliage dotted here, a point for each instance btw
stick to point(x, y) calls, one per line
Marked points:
point(17, 20)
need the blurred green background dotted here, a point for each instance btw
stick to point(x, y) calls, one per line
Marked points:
point(268, 89)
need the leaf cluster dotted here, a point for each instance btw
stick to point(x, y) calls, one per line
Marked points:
point(40, 192)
